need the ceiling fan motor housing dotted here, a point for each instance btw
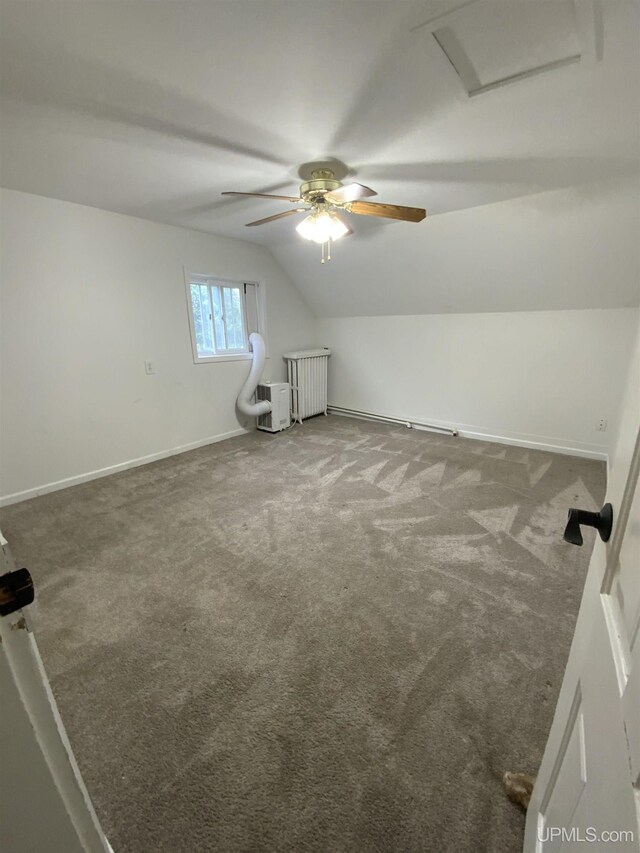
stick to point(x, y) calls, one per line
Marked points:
point(322, 181)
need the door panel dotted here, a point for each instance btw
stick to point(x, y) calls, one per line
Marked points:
point(568, 780)
point(631, 711)
point(626, 589)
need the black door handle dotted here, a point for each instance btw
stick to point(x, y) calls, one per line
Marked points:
point(16, 591)
point(602, 521)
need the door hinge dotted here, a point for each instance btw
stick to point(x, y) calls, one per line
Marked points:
point(16, 591)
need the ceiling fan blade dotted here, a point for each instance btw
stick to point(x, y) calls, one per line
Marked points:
point(266, 195)
point(388, 211)
point(278, 216)
point(349, 192)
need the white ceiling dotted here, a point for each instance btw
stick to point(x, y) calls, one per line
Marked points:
point(154, 108)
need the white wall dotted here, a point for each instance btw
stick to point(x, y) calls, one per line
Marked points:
point(87, 296)
point(538, 378)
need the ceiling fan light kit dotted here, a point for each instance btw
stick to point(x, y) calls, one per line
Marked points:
point(325, 197)
point(323, 227)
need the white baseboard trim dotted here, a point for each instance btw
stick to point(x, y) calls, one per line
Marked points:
point(550, 445)
point(26, 495)
point(532, 442)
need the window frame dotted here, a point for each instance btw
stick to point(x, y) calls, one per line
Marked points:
point(219, 281)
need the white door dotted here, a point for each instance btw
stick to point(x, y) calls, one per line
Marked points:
point(44, 805)
point(587, 795)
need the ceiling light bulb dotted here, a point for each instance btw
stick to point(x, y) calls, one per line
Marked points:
point(321, 227)
point(306, 227)
point(338, 228)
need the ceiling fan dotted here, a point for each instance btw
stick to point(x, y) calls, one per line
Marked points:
point(325, 197)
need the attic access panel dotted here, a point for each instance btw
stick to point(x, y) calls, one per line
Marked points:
point(491, 44)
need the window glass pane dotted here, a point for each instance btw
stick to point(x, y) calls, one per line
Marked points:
point(205, 301)
point(202, 319)
point(221, 338)
point(238, 325)
point(233, 317)
point(251, 307)
point(218, 312)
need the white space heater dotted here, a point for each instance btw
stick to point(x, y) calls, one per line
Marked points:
point(307, 374)
point(277, 393)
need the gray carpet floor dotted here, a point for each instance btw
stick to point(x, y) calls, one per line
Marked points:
point(334, 639)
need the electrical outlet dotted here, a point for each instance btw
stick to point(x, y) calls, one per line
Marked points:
point(149, 367)
point(602, 425)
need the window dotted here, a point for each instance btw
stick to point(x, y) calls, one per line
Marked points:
point(222, 315)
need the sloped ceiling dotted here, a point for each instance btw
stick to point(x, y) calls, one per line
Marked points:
point(563, 249)
point(154, 108)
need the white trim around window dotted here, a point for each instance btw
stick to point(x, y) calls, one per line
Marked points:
point(219, 310)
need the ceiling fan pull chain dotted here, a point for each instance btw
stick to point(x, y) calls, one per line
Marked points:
point(329, 249)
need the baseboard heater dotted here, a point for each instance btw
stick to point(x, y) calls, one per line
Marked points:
point(372, 416)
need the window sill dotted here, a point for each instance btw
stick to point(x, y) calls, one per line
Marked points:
point(240, 356)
